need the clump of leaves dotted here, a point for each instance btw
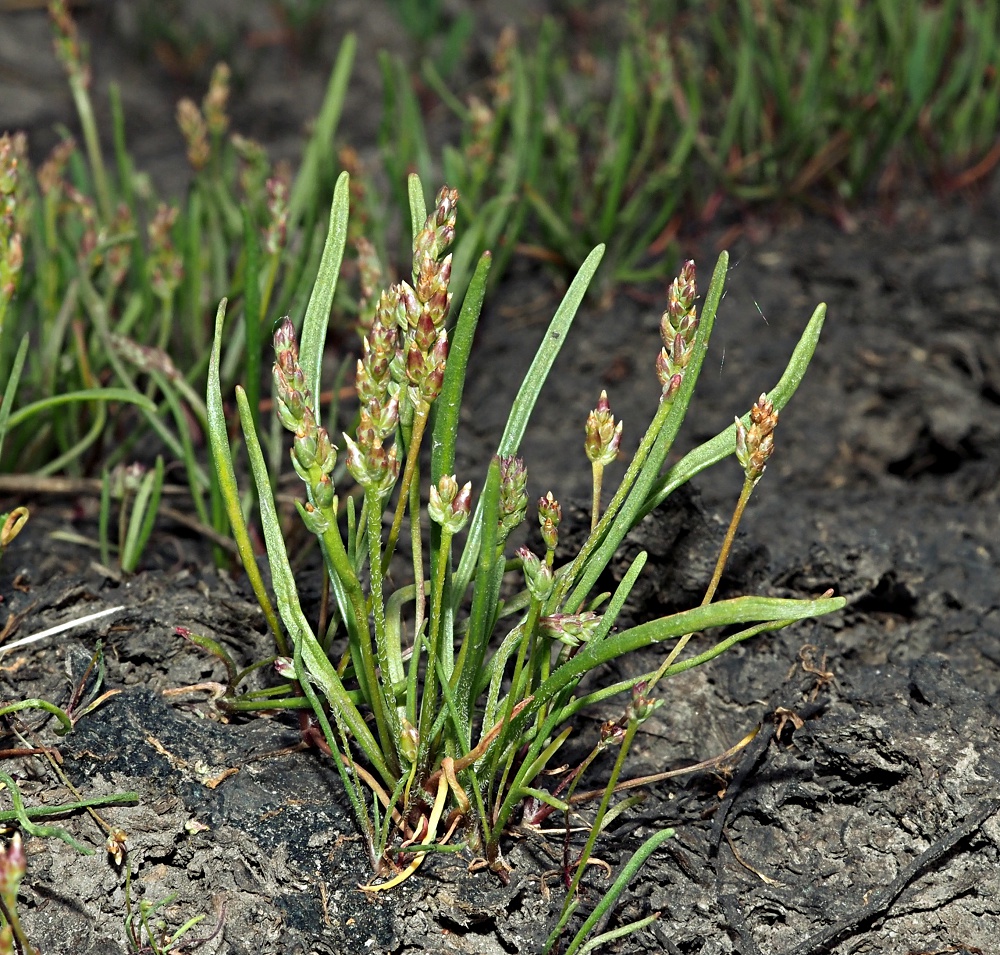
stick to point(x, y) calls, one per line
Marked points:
point(441, 700)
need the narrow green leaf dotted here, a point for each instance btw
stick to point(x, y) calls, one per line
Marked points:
point(418, 205)
point(222, 458)
point(313, 336)
point(126, 395)
point(449, 402)
point(319, 151)
point(723, 613)
point(11, 390)
point(143, 517)
point(252, 319)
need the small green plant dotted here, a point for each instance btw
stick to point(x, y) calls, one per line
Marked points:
point(116, 289)
point(440, 730)
point(147, 930)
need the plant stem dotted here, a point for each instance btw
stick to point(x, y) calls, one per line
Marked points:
point(85, 111)
point(595, 507)
point(595, 830)
point(428, 702)
point(373, 510)
point(358, 630)
point(528, 637)
point(720, 565)
point(420, 418)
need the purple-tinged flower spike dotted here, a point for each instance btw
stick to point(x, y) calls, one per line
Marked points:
point(612, 733)
point(755, 446)
point(213, 106)
point(431, 242)
point(12, 868)
point(164, 264)
point(538, 576)
point(604, 437)
point(194, 129)
point(375, 376)
point(254, 166)
point(369, 278)
point(449, 506)
point(380, 420)
point(549, 516)
point(276, 230)
point(374, 468)
point(69, 50)
point(601, 443)
point(678, 326)
point(571, 629)
point(513, 496)
point(314, 455)
point(641, 706)
point(50, 174)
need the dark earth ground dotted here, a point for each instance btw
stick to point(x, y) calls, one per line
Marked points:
point(870, 829)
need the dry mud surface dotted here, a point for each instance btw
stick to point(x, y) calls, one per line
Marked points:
point(871, 827)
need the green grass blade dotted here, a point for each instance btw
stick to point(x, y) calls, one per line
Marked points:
point(319, 151)
point(87, 394)
point(449, 402)
point(10, 390)
point(222, 457)
point(524, 403)
point(611, 896)
point(418, 205)
point(724, 613)
point(143, 517)
point(252, 318)
point(313, 337)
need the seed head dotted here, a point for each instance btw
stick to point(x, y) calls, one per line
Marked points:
point(756, 444)
point(513, 494)
point(538, 576)
point(572, 629)
point(449, 506)
point(603, 436)
point(678, 326)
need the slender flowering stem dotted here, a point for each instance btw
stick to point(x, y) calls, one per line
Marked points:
point(420, 419)
point(753, 448)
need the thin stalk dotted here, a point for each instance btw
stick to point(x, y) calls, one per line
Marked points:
point(595, 508)
point(81, 99)
point(595, 830)
point(420, 418)
point(388, 724)
point(527, 637)
point(416, 547)
point(748, 485)
point(428, 702)
point(360, 636)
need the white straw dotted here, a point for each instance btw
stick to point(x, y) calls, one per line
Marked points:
point(59, 628)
